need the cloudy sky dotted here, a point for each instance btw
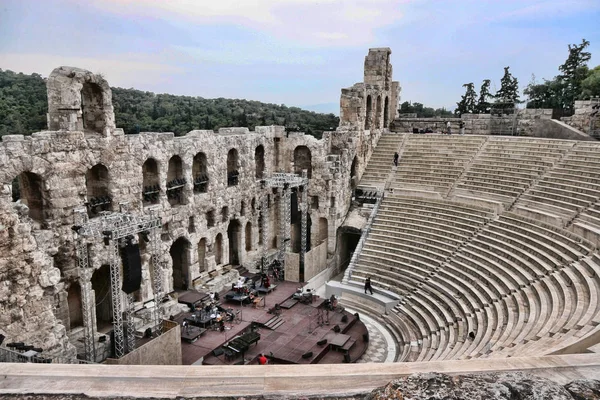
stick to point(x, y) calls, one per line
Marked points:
point(296, 52)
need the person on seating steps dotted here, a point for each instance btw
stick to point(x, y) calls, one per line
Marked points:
point(396, 156)
point(368, 285)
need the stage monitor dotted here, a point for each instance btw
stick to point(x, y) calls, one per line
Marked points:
point(132, 267)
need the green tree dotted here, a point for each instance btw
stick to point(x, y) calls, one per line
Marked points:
point(574, 72)
point(508, 95)
point(483, 105)
point(590, 87)
point(467, 101)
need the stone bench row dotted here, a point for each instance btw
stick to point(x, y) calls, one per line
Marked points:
point(438, 205)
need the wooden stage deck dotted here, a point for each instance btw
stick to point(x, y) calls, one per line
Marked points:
point(285, 338)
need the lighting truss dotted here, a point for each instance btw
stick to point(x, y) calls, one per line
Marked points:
point(110, 227)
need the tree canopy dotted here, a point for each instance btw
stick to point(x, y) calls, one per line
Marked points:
point(574, 82)
point(508, 95)
point(24, 104)
point(467, 102)
point(422, 112)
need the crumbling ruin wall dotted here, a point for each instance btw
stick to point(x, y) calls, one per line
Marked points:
point(83, 157)
point(586, 116)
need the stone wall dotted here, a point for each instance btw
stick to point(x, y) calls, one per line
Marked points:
point(84, 157)
point(585, 112)
point(523, 123)
point(163, 350)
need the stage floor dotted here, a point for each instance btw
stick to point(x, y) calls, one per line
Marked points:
point(293, 333)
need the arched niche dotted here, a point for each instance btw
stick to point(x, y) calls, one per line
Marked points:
point(175, 181)
point(386, 112)
point(369, 110)
point(150, 182)
point(97, 183)
point(323, 230)
point(200, 173)
point(202, 254)
point(93, 114)
point(28, 188)
point(180, 250)
point(378, 114)
point(218, 249)
point(248, 236)
point(232, 167)
point(302, 160)
point(353, 173)
point(234, 237)
point(259, 162)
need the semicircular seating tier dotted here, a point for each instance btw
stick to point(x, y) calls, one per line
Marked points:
point(489, 244)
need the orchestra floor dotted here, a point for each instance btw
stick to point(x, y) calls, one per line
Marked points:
point(284, 338)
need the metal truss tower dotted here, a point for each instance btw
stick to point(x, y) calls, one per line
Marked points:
point(283, 182)
point(110, 228)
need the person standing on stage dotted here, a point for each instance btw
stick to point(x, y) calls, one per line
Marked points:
point(368, 285)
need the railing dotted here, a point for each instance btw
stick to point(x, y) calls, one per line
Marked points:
point(363, 237)
point(10, 356)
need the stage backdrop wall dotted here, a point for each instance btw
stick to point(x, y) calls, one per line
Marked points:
point(315, 261)
point(164, 350)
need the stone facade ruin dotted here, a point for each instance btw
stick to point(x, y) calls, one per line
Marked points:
point(207, 185)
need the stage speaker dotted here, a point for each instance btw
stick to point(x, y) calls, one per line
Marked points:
point(357, 317)
point(366, 337)
point(322, 342)
point(347, 358)
point(307, 355)
point(337, 329)
point(217, 352)
point(132, 267)
point(345, 318)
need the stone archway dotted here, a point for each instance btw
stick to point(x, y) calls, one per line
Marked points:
point(179, 251)
point(218, 249)
point(259, 162)
point(151, 182)
point(233, 167)
point(102, 291)
point(302, 160)
point(369, 110)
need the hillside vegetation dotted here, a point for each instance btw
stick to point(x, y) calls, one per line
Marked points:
point(24, 104)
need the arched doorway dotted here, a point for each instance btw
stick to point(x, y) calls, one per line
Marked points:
point(74, 302)
point(200, 173)
point(218, 250)
point(97, 187)
point(29, 188)
point(202, 254)
point(302, 160)
point(259, 162)
point(386, 110)
point(233, 235)
point(180, 256)
point(101, 287)
point(232, 168)
point(151, 182)
point(323, 230)
point(248, 236)
point(369, 110)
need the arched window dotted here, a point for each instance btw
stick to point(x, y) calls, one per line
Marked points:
point(218, 249)
point(92, 107)
point(180, 256)
point(233, 235)
point(259, 162)
point(386, 110)
point(248, 236)
point(369, 109)
point(97, 188)
point(378, 114)
point(151, 182)
point(200, 173)
point(233, 172)
point(302, 160)
point(29, 189)
point(175, 181)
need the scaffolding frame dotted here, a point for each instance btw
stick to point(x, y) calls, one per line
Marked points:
point(283, 182)
point(111, 227)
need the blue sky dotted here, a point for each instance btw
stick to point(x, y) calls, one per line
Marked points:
point(296, 52)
